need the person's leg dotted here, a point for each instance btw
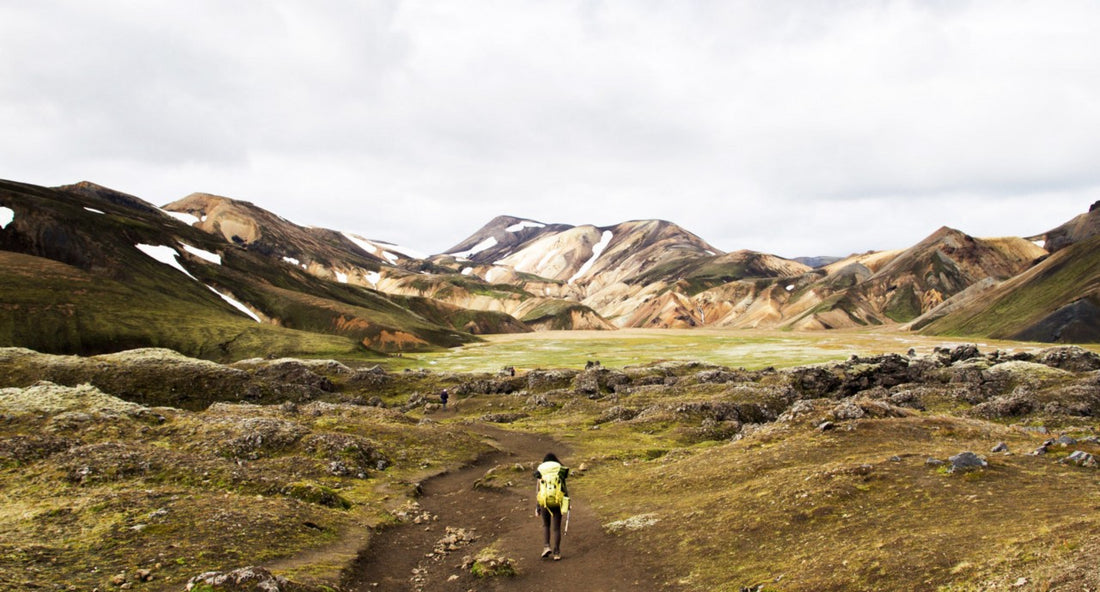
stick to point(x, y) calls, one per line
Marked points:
point(545, 531)
point(555, 531)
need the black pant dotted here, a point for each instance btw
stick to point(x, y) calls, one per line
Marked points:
point(551, 527)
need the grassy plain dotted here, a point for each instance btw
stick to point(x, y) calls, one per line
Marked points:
point(750, 349)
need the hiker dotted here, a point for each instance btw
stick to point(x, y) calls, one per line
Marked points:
point(551, 494)
point(443, 398)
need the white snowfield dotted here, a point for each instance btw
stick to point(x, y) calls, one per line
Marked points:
point(485, 244)
point(518, 226)
point(94, 211)
point(188, 219)
point(292, 261)
point(401, 250)
point(204, 255)
point(168, 256)
point(373, 277)
point(382, 248)
point(361, 242)
point(237, 305)
point(341, 276)
point(597, 250)
point(7, 215)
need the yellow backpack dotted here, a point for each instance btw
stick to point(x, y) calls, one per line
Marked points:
point(551, 493)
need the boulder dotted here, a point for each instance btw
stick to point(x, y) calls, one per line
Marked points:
point(1020, 402)
point(1069, 357)
point(966, 461)
point(848, 410)
point(1081, 459)
point(617, 413)
point(544, 380)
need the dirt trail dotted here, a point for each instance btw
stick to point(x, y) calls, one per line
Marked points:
point(402, 559)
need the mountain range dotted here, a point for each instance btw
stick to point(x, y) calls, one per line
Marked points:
point(87, 269)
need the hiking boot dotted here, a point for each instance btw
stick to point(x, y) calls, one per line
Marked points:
point(546, 552)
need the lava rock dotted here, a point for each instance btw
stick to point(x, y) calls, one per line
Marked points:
point(966, 461)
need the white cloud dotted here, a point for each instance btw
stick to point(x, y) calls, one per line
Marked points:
point(765, 125)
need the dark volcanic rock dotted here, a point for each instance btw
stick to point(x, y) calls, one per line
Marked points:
point(966, 461)
point(1069, 357)
point(1018, 403)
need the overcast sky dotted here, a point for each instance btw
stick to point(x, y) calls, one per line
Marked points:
point(794, 128)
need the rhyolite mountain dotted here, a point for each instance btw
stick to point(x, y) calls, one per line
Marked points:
point(218, 278)
point(85, 269)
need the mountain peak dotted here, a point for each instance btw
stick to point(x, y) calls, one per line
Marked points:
point(96, 191)
point(1078, 229)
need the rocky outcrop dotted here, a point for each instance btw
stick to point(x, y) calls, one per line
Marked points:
point(249, 579)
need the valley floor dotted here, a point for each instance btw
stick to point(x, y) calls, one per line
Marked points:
point(750, 348)
point(142, 470)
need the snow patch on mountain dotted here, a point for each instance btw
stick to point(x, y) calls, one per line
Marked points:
point(524, 224)
point(7, 215)
point(94, 211)
point(361, 242)
point(204, 255)
point(188, 219)
point(341, 276)
point(292, 261)
point(237, 305)
point(485, 244)
point(169, 256)
point(467, 271)
point(401, 250)
point(373, 277)
point(166, 255)
point(383, 248)
point(597, 250)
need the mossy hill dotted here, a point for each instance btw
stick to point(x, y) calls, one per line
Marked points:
point(75, 281)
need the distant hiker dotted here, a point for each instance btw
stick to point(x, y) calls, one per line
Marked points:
point(552, 496)
point(443, 398)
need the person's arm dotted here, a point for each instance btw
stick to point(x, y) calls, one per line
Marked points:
point(538, 480)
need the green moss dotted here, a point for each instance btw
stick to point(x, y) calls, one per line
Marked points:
point(489, 563)
point(904, 305)
point(1067, 276)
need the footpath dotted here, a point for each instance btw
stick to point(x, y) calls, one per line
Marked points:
point(455, 520)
